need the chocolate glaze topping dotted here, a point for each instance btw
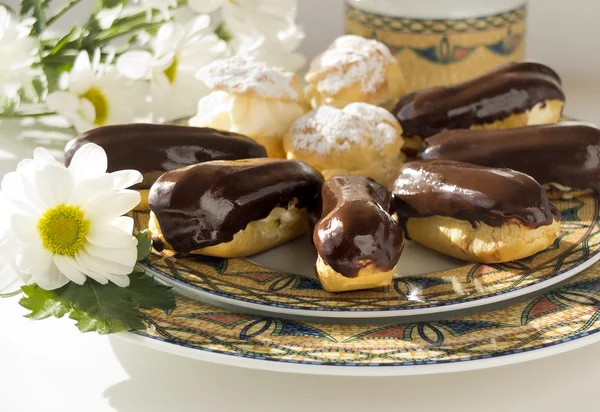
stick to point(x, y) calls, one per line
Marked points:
point(356, 229)
point(208, 203)
point(508, 89)
point(153, 149)
point(469, 192)
point(566, 153)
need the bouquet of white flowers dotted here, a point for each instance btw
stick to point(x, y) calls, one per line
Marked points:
point(133, 61)
point(67, 246)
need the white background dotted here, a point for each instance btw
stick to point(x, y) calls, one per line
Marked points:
point(49, 366)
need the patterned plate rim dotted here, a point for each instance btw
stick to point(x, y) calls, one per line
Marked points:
point(215, 295)
point(278, 365)
point(448, 309)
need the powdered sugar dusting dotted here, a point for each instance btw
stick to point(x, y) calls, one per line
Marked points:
point(328, 129)
point(354, 60)
point(245, 74)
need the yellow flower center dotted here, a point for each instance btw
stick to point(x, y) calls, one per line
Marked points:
point(63, 230)
point(171, 71)
point(98, 99)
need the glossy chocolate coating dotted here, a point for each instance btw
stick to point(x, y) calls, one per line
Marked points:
point(153, 149)
point(208, 203)
point(469, 192)
point(356, 229)
point(566, 153)
point(508, 89)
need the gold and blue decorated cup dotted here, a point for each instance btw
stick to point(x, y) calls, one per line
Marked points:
point(440, 42)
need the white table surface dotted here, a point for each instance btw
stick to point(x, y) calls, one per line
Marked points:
point(49, 366)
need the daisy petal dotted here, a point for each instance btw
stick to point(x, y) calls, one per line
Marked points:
point(52, 279)
point(135, 64)
point(126, 178)
point(34, 260)
point(102, 266)
point(10, 279)
point(67, 267)
point(124, 256)
point(104, 235)
point(54, 185)
point(205, 6)
point(88, 162)
point(119, 280)
point(87, 111)
point(21, 192)
point(82, 76)
point(63, 103)
point(43, 157)
point(113, 205)
point(87, 190)
point(124, 223)
point(24, 227)
point(103, 280)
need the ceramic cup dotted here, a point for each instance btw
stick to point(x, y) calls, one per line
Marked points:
point(439, 42)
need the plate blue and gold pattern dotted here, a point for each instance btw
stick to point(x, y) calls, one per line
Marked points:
point(549, 323)
point(243, 284)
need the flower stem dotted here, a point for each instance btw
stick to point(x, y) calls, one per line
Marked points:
point(10, 294)
point(40, 16)
point(28, 114)
point(127, 31)
point(62, 11)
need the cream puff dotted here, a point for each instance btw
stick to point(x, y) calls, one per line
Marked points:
point(232, 208)
point(513, 95)
point(360, 139)
point(563, 157)
point(474, 213)
point(250, 98)
point(355, 69)
point(153, 149)
point(357, 240)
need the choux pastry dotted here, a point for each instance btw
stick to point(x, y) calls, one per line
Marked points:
point(474, 213)
point(250, 98)
point(360, 139)
point(153, 149)
point(357, 240)
point(355, 69)
point(232, 208)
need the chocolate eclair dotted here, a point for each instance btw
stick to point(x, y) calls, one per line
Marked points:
point(472, 212)
point(513, 95)
point(358, 242)
point(153, 149)
point(565, 154)
point(232, 208)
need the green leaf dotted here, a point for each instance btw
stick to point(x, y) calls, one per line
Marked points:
point(35, 91)
point(99, 308)
point(107, 4)
point(72, 35)
point(43, 303)
point(9, 105)
point(144, 246)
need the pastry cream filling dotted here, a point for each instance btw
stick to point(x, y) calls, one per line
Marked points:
point(247, 115)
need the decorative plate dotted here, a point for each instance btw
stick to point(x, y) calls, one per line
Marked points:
point(560, 320)
point(245, 284)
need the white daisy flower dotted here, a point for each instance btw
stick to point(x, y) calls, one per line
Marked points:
point(96, 95)
point(10, 277)
point(69, 221)
point(264, 29)
point(18, 51)
point(162, 6)
point(179, 51)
